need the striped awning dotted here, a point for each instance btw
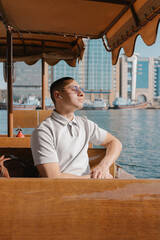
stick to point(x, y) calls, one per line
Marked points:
point(54, 29)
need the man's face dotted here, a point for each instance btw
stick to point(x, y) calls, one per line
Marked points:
point(72, 96)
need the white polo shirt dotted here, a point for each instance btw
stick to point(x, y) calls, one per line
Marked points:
point(57, 139)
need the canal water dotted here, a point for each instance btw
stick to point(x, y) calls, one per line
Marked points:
point(138, 130)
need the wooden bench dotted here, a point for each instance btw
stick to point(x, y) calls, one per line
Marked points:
point(20, 147)
point(68, 209)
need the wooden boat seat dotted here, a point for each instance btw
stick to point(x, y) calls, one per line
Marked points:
point(20, 147)
point(66, 209)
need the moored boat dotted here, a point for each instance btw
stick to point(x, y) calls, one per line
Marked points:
point(97, 104)
point(3, 106)
point(120, 103)
point(31, 104)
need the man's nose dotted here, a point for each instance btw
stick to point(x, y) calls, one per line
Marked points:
point(81, 93)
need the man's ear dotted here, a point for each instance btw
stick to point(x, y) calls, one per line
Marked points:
point(57, 95)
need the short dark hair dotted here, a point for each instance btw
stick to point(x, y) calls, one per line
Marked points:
point(59, 85)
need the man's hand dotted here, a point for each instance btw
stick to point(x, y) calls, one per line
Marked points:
point(101, 172)
point(113, 149)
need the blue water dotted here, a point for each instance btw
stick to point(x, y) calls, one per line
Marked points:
point(138, 130)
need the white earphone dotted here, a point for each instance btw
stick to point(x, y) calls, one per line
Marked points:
point(60, 97)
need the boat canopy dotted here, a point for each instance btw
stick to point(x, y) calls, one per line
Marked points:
point(54, 30)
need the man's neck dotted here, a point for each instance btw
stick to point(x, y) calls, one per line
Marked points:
point(68, 115)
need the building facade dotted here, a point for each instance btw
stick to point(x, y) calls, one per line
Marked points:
point(136, 78)
point(132, 78)
point(3, 95)
point(157, 80)
point(145, 80)
point(115, 90)
point(27, 80)
point(93, 73)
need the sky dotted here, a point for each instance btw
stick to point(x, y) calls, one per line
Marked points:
point(140, 47)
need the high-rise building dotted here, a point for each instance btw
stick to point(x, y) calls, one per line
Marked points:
point(3, 95)
point(132, 78)
point(98, 66)
point(115, 90)
point(94, 72)
point(145, 79)
point(136, 78)
point(28, 80)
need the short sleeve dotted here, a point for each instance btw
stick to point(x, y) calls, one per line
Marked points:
point(42, 146)
point(97, 134)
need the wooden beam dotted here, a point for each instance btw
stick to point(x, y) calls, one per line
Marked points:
point(43, 84)
point(10, 81)
point(119, 2)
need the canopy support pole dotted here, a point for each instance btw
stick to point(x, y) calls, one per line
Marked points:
point(10, 80)
point(43, 84)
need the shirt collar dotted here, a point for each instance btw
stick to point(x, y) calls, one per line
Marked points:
point(64, 121)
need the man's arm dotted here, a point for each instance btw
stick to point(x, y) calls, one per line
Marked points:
point(113, 149)
point(51, 170)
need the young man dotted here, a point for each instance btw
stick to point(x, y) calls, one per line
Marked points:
point(59, 144)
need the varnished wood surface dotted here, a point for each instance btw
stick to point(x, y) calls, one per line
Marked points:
point(96, 155)
point(25, 118)
point(43, 114)
point(8, 142)
point(79, 209)
point(29, 118)
point(15, 142)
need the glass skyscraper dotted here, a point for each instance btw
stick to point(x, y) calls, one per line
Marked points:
point(94, 72)
point(28, 80)
point(98, 66)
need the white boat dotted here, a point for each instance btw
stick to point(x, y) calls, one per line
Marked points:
point(98, 103)
point(120, 103)
point(31, 104)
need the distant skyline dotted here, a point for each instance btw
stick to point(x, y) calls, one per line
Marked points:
point(140, 47)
